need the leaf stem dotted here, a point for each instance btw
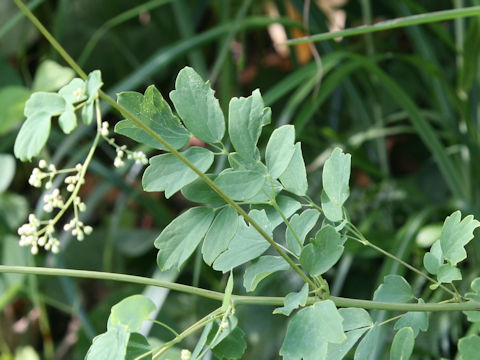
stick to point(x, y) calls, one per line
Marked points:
point(237, 299)
point(153, 134)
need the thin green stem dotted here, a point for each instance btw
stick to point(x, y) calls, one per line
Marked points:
point(361, 239)
point(236, 299)
point(165, 326)
point(129, 115)
point(435, 16)
point(390, 320)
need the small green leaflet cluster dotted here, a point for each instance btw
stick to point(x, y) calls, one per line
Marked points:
point(449, 250)
point(42, 106)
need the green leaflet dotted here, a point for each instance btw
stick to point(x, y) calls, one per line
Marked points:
point(233, 346)
point(218, 237)
point(322, 252)
point(240, 185)
point(92, 86)
point(263, 267)
point(455, 235)
point(68, 119)
point(111, 345)
point(7, 164)
point(154, 112)
point(417, 320)
point(246, 245)
point(447, 273)
point(294, 178)
point(322, 322)
point(355, 323)
point(179, 239)
point(12, 102)
point(51, 76)
point(367, 345)
point(473, 316)
point(301, 225)
point(292, 301)
point(228, 292)
point(137, 346)
point(131, 312)
point(44, 102)
point(287, 205)
point(335, 178)
point(469, 347)
point(198, 191)
point(433, 259)
point(394, 289)
point(280, 149)
point(33, 136)
point(402, 345)
point(197, 106)
point(169, 174)
point(246, 117)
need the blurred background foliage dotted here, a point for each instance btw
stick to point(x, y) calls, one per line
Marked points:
point(403, 102)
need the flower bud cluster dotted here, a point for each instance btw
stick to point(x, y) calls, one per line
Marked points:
point(72, 180)
point(38, 175)
point(52, 201)
point(118, 162)
point(31, 235)
point(78, 228)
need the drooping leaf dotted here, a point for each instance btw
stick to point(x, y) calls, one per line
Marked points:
point(287, 205)
point(33, 136)
point(180, 238)
point(367, 345)
point(240, 185)
point(137, 346)
point(322, 322)
point(322, 252)
point(198, 191)
point(7, 166)
point(455, 235)
point(111, 345)
point(218, 237)
point(280, 149)
point(294, 178)
point(197, 106)
point(292, 301)
point(167, 173)
point(246, 116)
point(155, 113)
point(335, 179)
point(402, 345)
point(12, 102)
point(301, 225)
point(131, 312)
point(469, 347)
point(246, 245)
point(51, 76)
point(394, 289)
point(417, 320)
point(332, 211)
point(262, 268)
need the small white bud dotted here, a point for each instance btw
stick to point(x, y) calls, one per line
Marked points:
point(70, 188)
point(87, 230)
point(42, 164)
point(185, 354)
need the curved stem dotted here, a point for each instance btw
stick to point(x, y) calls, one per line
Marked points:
point(129, 115)
point(238, 299)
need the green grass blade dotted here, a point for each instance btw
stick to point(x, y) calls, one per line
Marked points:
point(393, 24)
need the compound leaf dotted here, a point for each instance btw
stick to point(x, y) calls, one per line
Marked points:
point(180, 238)
point(447, 273)
point(240, 185)
point(155, 113)
point(322, 322)
point(167, 173)
point(197, 106)
point(262, 268)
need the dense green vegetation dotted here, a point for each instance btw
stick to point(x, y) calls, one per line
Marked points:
point(403, 101)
